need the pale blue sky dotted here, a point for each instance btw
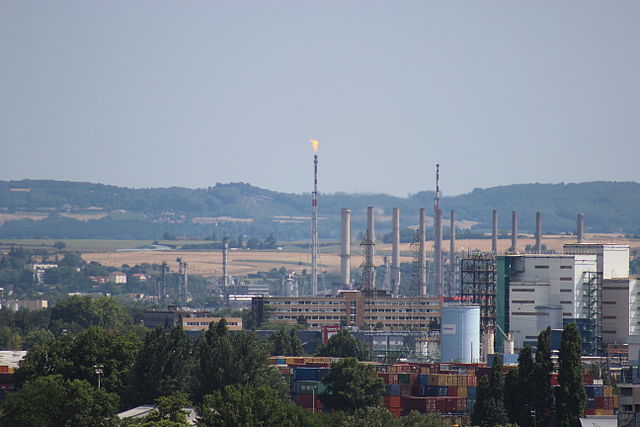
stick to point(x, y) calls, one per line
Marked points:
point(190, 93)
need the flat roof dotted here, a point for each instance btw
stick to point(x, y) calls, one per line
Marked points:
point(11, 358)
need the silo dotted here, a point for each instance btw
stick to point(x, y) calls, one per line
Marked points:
point(460, 333)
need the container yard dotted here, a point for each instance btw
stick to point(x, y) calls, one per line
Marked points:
point(448, 389)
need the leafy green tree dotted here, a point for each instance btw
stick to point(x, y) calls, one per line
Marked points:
point(76, 357)
point(351, 385)
point(541, 392)
point(512, 395)
point(489, 410)
point(169, 412)
point(59, 245)
point(242, 405)
point(53, 401)
point(524, 389)
point(343, 344)
point(163, 366)
point(224, 359)
point(571, 396)
point(285, 344)
point(37, 336)
point(77, 313)
point(416, 419)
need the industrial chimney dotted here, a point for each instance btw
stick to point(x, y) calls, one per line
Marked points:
point(345, 253)
point(494, 232)
point(580, 231)
point(538, 248)
point(452, 254)
point(514, 231)
point(395, 253)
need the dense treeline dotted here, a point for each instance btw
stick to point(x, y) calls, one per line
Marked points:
point(148, 213)
point(524, 396)
point(84, 377)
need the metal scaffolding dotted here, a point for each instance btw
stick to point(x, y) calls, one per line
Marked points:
point(592, 303)
point(478, 284)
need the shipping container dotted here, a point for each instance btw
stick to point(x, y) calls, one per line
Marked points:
point(392, 390)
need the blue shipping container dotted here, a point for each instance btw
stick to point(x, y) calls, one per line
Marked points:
point(423, 378)
point(393, 390)
point(305, 374)
point(321, 373)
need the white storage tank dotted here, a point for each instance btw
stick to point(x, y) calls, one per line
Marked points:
point(460, 333)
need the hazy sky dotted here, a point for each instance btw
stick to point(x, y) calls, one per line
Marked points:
point(190, 93)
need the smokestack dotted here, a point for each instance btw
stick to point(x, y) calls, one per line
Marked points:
point(452, 253)
point(369, 243)
point(314, 227)
point(422, 260)
point(494, 232)
point(538, 248)
point(225, 270)
point(387, 274)
point(165, 270)
point(580, 231)
point(437, 253)
point(514, 231)
point(185, 283)
point(345, 253)
point(395, 253)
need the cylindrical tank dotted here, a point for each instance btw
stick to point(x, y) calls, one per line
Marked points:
point(460, 333)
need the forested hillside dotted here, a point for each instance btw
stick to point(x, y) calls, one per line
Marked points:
point(57, 209)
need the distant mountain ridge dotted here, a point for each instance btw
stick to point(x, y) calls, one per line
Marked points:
point(608, 207)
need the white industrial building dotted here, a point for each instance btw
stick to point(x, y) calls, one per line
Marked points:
point(589, 280)
point(544, 289)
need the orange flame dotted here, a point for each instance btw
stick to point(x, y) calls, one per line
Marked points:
point(315, 145)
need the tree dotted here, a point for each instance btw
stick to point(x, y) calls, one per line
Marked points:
point(524, 390)
point(351, 385)
point(571, 396)
point(285, 344)
point(488, 410)
point(77, 313)
point(242, 405)
point(76, 357)
point(37, 336)
point(512, 395)
point(163, 366)
point(542, 394)
point(59, 245)
point(53, 401)
point(224, 359)
point(169, 411)
point(343, 344)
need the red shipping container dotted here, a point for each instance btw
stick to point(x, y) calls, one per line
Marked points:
point(392, 401)
point(599, 402)
point(4, 369)
point(304, 400)
point(587, 378)
point(589, 411)
point(441, 405)
point(452, 391)
point(554, 379)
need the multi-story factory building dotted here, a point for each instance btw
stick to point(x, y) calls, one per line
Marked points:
point(352, 308)
point(589, 284)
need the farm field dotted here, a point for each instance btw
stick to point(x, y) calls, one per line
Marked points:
point(293, 257)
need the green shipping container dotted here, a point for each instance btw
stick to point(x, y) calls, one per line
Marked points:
point(403, 378)
point(307, 387)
